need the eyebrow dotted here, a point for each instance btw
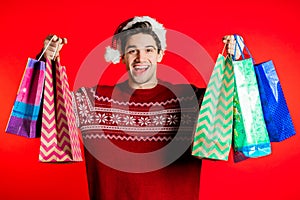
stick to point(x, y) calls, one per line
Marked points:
point(134, 46)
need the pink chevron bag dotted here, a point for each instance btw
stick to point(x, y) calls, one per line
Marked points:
point(59, 135)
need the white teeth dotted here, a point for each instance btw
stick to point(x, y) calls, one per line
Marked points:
point(141, 67)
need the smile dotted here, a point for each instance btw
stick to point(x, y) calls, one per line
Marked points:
point(140, 68)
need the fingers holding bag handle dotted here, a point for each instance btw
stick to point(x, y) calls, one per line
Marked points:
point(231, 42)
point(52, 46)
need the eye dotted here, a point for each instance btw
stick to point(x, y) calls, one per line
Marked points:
point(150, 50)
point(132, 51)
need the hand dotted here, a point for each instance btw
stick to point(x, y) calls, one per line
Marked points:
point(230, 42)
point(54, 47)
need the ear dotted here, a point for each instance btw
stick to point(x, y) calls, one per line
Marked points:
point(122, 59)
point(160, 55)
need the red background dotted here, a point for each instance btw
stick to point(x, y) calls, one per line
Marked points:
point(270, 29)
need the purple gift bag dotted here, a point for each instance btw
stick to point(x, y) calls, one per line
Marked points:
point(25, 113)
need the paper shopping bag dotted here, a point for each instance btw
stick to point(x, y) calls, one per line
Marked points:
point(25, 116)
point(250, 136)
point(59, 135)
point(276, 113)
point(214, 128)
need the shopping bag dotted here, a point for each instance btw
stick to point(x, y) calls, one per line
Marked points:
point(213, 135)
point(276, 113)
point(59, 135)
point(25, 118)
point(250, 138)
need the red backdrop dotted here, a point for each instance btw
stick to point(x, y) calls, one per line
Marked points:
point(269, 28)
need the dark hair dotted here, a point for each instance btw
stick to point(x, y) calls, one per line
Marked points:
point(121, 36)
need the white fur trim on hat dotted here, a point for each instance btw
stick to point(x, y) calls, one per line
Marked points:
point(114, 55)
point(157, 28)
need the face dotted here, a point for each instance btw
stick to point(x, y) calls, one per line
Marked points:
point(141, 58)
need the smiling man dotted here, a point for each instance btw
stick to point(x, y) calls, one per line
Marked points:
point(137, 134)
point(141, 57)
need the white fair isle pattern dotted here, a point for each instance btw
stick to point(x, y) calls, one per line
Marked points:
point(134, 138)
point(137, 123)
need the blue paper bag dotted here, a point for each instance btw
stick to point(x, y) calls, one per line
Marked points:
point(276, 113)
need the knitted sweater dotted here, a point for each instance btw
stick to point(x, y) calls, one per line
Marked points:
point(137, 142)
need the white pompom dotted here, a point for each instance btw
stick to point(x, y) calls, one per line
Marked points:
point(112, 55)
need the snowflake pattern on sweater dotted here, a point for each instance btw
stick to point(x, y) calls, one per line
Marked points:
point(133, 120)
point(138, 122)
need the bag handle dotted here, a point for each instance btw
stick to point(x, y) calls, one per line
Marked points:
point(224, 49)
point(43, 52)
point(227, 54)
point(237, 37)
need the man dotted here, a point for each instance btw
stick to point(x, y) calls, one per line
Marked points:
point(137, 133)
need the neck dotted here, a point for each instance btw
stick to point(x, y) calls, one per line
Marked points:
point(148, 85)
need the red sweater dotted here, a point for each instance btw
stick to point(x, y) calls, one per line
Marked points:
point(137, 142)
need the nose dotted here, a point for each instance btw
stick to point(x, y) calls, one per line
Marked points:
point(141, 56)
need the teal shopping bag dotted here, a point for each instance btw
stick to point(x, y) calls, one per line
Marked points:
point(250, 135)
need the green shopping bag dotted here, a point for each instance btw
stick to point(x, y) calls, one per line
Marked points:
point(250, 138)
point(213, 134)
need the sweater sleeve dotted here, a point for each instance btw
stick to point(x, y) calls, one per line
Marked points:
point(74, 105)
point(199, 93)
point(79, 104)
point(83, 105)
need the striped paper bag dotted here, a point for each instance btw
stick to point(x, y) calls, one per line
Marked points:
point(59, 135)
point(214, 128)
